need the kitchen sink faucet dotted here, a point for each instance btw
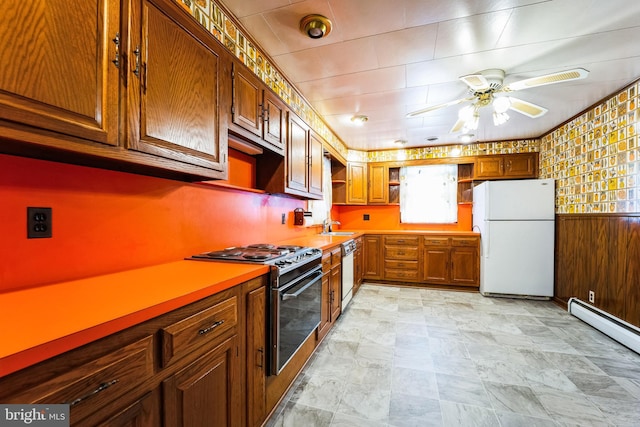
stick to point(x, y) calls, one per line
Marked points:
point(327, 225)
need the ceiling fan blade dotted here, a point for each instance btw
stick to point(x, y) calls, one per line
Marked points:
point(526, 108)
point(477, 82)
point(548, 79)
point(437, 107)
point(457, 127)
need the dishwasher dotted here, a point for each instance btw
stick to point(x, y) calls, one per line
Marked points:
point(348, 249)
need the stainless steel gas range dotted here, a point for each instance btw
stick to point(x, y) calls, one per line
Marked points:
point(295, 297)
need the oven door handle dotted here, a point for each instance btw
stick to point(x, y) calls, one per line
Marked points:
point(286, 296)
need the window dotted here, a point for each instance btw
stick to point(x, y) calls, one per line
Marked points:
point(321, 209)
point(428, 194)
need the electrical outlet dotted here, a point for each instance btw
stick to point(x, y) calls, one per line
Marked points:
point(38, 223)
point(592, 297)
point(365, 217)
point(284, 218)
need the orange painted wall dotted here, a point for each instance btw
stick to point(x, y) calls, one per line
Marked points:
point(106, 221)
point(388, 218)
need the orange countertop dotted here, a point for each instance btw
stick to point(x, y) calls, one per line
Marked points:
point(43, 322)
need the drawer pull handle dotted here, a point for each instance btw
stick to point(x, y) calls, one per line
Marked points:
point(261, 357)
point(210, 328)
point(116, 42)
point(101, 387)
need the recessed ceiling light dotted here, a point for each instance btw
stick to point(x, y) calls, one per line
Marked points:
point(432, 138)
point(315, 26)
point(466, 138)
point(359, 120)
point(400, 141)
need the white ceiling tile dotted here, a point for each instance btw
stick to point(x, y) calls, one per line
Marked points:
point(326, 61)
point(361, 18)
point(378, 80)
point(473, 34)
point(406, 46)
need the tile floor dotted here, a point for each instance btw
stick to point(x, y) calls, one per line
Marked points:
point(424, 357)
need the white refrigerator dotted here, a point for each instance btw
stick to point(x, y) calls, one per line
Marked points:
point(516, 224)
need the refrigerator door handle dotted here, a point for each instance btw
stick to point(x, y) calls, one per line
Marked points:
point(487, 239)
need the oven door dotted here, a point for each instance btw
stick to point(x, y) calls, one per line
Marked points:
point(295, 314)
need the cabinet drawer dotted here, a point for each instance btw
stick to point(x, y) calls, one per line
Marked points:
point(436, 241)
point(401, 240)
point(401, 274)
point(326, 262)
point(464, 241)
point(396, 252)
point(336, 257)
point(395, 264)
point(98, 383)
point(198, 331)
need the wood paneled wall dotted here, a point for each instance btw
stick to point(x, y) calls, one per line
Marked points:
point(600, 253)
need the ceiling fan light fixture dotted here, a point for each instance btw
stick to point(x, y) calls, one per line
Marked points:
point(501, 104)
point(500, 118)
point(467, 113)
point(315, 26)
point(359, 120)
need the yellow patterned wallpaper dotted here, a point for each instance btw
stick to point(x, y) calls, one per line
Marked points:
point(594, 158)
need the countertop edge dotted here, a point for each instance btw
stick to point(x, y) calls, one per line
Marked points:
point(20, 357)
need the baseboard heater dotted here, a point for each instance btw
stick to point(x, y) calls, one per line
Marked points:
point(621, 331)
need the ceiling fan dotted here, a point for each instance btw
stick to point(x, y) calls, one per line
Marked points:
point(484, 87)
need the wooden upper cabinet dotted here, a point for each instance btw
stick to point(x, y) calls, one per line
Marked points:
point(246, 107)
point(274, 125)
point(57, 70)
point(315, 165)
point(297, 154)
point(256, 112)
point(505, 166)
point(378, 184)
point(356, 183)
point(174, 73)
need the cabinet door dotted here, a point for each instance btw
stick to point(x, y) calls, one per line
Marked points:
point(436, 264)
point(298, 154)
point(489, 167)
point(174, 79)
point(464, 266)
point(520, 165)
point(274, 122)
point(143, 412)
point(336, 284)
point(246, 107)
point(206, 392)
point(315, 165)
point(256, 362)
point(378, 184)
point(57, 69)
point(356, 183)
point(325, 308)
point(372, 247)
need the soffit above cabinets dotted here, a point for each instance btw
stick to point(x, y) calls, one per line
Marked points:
point(384, 59)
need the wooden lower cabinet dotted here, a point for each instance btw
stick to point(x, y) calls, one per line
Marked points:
point(206, 392)
point(256, 356)
point(451, 261)
point(127, 379)
point(438, 259)
point(372, 257)
point(401, 254)
point(331, 290)
point(142, 412)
